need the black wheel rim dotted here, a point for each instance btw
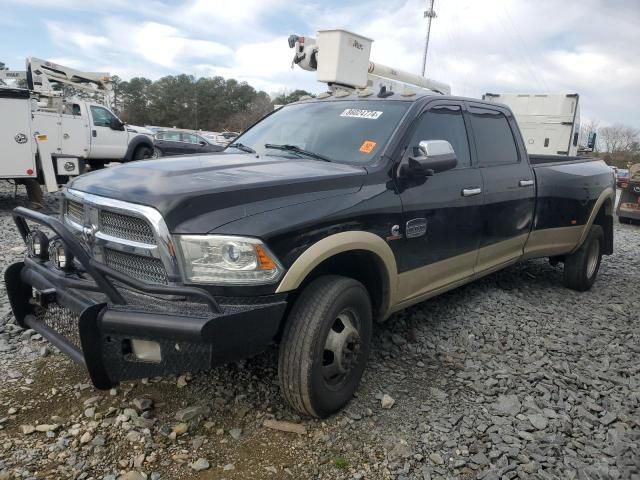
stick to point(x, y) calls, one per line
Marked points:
point(341, 353)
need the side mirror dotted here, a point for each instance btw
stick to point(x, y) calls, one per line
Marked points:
point(202, 143)
point(116, 124)
point(434, 156)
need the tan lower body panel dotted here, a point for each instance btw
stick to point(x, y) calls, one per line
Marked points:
point(500, 253)
point(552, 241)
point(436, 275)
point(425, 282)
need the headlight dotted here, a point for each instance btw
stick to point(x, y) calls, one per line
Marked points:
point(222, 259)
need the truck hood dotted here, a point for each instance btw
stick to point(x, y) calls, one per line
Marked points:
point(198, 193)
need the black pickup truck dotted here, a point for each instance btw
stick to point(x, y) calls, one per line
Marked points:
point(324, 217)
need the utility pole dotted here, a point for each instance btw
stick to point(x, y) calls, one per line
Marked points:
point(429, 15)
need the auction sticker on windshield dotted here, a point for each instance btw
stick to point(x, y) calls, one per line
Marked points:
point(367, 146)
point(357, 113)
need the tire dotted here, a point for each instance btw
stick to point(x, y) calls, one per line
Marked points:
point(624, 220)
point(157, 153)
point(313, 379)
point(142, 152)
point(96, 164)
point(581, 267)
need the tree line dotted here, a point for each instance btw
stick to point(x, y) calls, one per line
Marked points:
point(183, 101)
point(617, 144)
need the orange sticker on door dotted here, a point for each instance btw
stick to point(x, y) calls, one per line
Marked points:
point(367, 146)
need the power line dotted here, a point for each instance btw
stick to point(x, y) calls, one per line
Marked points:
point(527, 58)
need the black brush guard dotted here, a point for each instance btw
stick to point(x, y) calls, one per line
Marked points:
point(106, 319)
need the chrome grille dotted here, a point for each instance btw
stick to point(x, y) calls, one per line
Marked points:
point(75, 211)
point(61, 320)
point(146, 269)
point(126, 227)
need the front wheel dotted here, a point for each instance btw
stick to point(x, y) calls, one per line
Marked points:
point(325, 345)
point(581, 267)
point(624, 220)
point(157, 153)
point(142, 152)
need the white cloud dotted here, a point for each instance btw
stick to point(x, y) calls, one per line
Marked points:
point(584, 46)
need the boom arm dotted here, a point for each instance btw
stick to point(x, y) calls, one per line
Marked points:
point(348, 58)
point(41, 75)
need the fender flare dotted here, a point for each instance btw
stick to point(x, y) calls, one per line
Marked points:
point(340, 243)
point(134, 143)
point(607, 194)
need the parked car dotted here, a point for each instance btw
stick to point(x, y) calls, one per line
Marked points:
point(182, 142)
point(220, 138)
point(324, 217)
point(622, 177)
point(629, 204)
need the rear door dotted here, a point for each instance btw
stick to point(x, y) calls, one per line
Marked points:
point(190, 143)
point(169, 142)
point(75, 131)
point(509, 185)
point(106, 143)
point(442, 213)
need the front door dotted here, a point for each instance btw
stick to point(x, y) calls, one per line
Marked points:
point(509, 186)
point(106, 142)
point(442, 213)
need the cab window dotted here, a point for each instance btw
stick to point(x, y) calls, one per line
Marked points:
point(444, 122)
point(101, 116)
point(189, 138)
point(495, 143)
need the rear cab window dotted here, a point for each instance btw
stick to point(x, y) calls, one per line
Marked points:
point(495, 142)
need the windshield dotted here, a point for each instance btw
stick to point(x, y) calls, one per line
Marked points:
point(340, 131)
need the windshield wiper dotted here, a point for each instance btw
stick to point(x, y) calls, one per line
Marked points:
point(298, 150)
point(242, 147)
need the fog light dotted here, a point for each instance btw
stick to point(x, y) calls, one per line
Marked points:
point(146, 350)
point(37, 244)
point(60, 256)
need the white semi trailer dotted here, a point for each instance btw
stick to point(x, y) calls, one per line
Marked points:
point(550, 123)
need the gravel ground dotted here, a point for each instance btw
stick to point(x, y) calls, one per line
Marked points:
point(510, 377)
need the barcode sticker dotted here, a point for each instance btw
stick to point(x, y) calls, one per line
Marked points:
point(357, 113)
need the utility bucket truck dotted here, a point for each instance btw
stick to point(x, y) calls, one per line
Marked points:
point(47, 137)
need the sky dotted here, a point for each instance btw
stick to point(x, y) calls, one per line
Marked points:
point(589, 47)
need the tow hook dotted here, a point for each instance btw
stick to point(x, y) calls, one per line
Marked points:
point(44, 297)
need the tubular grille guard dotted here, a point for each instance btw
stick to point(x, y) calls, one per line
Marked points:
point(75, 211)
point(61, 320)
point(147, 269)
point(127, 227)
point(102, 275)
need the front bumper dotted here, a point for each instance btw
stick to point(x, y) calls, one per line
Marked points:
point(97, 317)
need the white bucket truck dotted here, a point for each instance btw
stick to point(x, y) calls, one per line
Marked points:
point(46, 137)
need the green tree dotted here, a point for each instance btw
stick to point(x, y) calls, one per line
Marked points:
point(283, 98)
point(207, 103)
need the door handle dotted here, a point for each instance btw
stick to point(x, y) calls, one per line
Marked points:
point(526, 183)
point(94, 133)
point(470, 192)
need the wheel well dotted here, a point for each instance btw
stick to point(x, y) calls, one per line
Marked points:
point(361, 265)
point(604, 218)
